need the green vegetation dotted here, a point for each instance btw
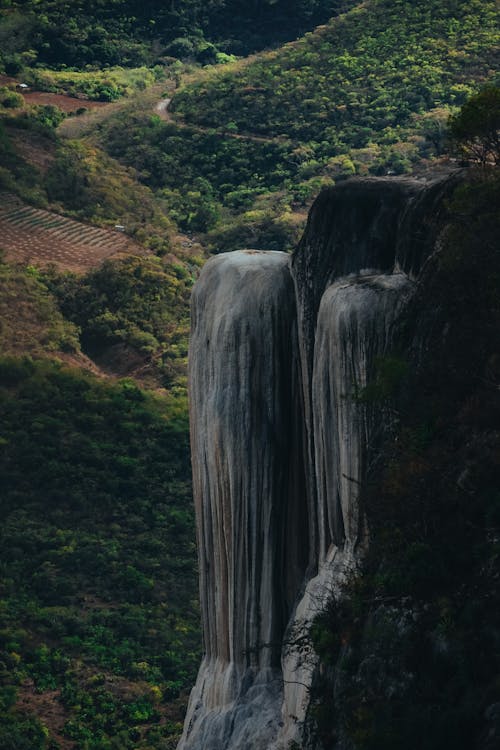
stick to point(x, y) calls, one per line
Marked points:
point(98, 593)
point(102, 85)
point(414, 641)
point(99, 634)
point(131, 33)
point(31, 323)
point(10, 99)
point(85, 183)
point(133, 316)
point(370, 71)
point(16, 174)
point(250, 144)
point(195, 174)
point(476, 128)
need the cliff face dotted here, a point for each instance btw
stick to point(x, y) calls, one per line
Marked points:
point(281, 352)
point(248, 490)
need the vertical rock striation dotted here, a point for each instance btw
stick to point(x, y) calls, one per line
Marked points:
point(282, 437)
point(243, 366)
point(355, 327)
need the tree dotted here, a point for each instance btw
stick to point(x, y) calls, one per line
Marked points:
point(475, 130)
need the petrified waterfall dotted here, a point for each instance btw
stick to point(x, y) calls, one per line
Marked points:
point(245, 447)
point(281, 351)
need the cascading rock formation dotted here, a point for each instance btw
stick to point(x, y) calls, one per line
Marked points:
point(281, 350)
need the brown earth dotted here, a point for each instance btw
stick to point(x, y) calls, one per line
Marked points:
point(36, 149)
point(34, 236)
point(47, 708)
point(64, 102)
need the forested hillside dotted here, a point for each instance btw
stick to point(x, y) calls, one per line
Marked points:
point(249, 145)
point(128, 32)
point(99, 633)
point(99, 623)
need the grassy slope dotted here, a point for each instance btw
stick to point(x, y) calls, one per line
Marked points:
point(99, 629)
point(32, 324)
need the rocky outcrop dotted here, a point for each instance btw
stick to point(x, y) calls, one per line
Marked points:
point(248, 492)
point(281, 352)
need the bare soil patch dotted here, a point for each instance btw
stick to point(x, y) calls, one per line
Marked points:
point(63, 101)
point(47, 708)
point(34, 236)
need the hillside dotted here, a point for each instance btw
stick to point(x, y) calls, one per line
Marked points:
point(99, 620)
point(128, 32)
point(249, 144)
point(99, 623)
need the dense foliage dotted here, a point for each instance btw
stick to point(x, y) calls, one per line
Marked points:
point(132, 315)
point(196, 174)
point(98, 585)
point(129, 32)
point(368, 72)
point(475, 130)
point(412, 653)
point(371, 92)
point(31, 321)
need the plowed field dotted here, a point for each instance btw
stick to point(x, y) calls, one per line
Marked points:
point(34, 236)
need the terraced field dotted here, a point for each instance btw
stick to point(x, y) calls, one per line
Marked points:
point(31, 235)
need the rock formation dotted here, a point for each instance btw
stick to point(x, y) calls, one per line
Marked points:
point(246, 452)
point(281, 352)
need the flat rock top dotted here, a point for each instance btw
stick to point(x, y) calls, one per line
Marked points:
point(249, 259)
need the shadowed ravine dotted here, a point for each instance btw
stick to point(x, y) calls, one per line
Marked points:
point(281, 349)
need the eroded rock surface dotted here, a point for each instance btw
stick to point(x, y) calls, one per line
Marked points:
point(243, 372)
point(281, 354)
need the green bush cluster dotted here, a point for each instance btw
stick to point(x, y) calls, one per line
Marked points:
point(128, 32)
point(97, 556)
point(139, 304)
point(10, 99)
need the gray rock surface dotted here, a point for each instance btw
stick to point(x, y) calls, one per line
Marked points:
point(281, 440)
point(243, 368)
point(355, 327)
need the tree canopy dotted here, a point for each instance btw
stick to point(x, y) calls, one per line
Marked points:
point(475, 130)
